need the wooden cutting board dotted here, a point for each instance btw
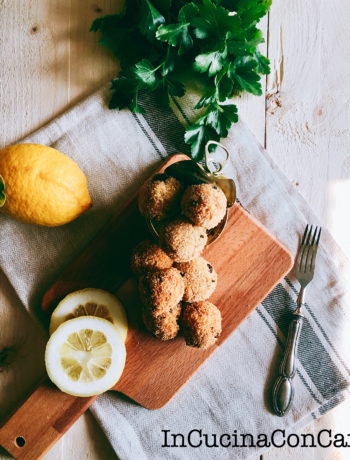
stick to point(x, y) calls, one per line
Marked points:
point(249, 262)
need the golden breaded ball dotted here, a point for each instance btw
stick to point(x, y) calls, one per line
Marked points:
point(161, 289)
point(160, 196)
point(164, 325)
point(200, 279)
point(204, 204)
point(182, 240)
point(148, 256)
point(200, 324)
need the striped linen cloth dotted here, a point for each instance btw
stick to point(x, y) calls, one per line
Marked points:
point(230, 393)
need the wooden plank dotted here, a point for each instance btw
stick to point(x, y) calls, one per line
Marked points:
point(90, 64)
point(251, 108)
point(31, 66)
point(308, 96)
point(49, 60)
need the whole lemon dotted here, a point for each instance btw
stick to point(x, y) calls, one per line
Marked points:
point(42, 185)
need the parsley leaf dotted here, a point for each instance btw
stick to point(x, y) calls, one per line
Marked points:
point(197, 135)
point(246, 77)
point(125, 94)
point(179, 34)
point(224, 87)
point(213, 21)
point(210, 62)
point(221, 117)
point(176, 35)
point(263, 64)
point(145, 73)
point(151, 18)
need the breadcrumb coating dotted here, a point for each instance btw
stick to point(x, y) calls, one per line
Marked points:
point(162, 323)
point(200, 279)
point(148, 256)
point(160, 196)
point(204, 204)
point(161, 289)
point(201, 324)
point(182, 240)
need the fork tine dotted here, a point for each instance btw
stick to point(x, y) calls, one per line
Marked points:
point(305, 251)
point(302, 246)
point(315, 247)
point(305, 233)
point(319, 235)
point(314, 236)
point(312, 251)
point(309, 236)
point(300, 261)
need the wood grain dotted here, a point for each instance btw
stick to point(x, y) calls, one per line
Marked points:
point(55, 58)
point(249, 263)
point(41, 421)
point(308, 112)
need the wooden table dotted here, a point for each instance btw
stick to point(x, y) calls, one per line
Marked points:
point(49, 61)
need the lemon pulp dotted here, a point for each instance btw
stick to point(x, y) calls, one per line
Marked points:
point(85, 356)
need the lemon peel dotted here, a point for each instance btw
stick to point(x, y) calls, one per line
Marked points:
point(43, 186)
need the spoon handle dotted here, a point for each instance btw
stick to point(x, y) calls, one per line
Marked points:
point(283, 390)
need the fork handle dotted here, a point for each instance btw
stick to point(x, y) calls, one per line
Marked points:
point(283, 390)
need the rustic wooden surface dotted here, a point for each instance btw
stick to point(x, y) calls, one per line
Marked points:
point(49, 61)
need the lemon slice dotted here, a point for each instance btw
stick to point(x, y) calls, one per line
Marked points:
point(85, 356)
point(91, 302)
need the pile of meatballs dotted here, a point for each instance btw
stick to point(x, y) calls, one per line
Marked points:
point(175, 282)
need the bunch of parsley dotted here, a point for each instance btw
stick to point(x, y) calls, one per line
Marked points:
point(163, 43)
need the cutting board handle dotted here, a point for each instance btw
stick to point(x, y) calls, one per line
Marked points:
point(40, 421)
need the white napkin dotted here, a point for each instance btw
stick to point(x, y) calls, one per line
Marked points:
point(230, 393)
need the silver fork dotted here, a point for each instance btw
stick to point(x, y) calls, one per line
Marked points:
point(283, 390)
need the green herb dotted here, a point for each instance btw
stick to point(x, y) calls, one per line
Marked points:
point(163, 43)
point(2, 192)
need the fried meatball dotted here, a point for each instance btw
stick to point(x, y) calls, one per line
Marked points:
point(161, 289)
point(148, 256)
point(182, 240)
point(204, 204)
point(200, 279)
point(160, 196)
point(201, 324)
point(160, 310)
point(163, 324)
